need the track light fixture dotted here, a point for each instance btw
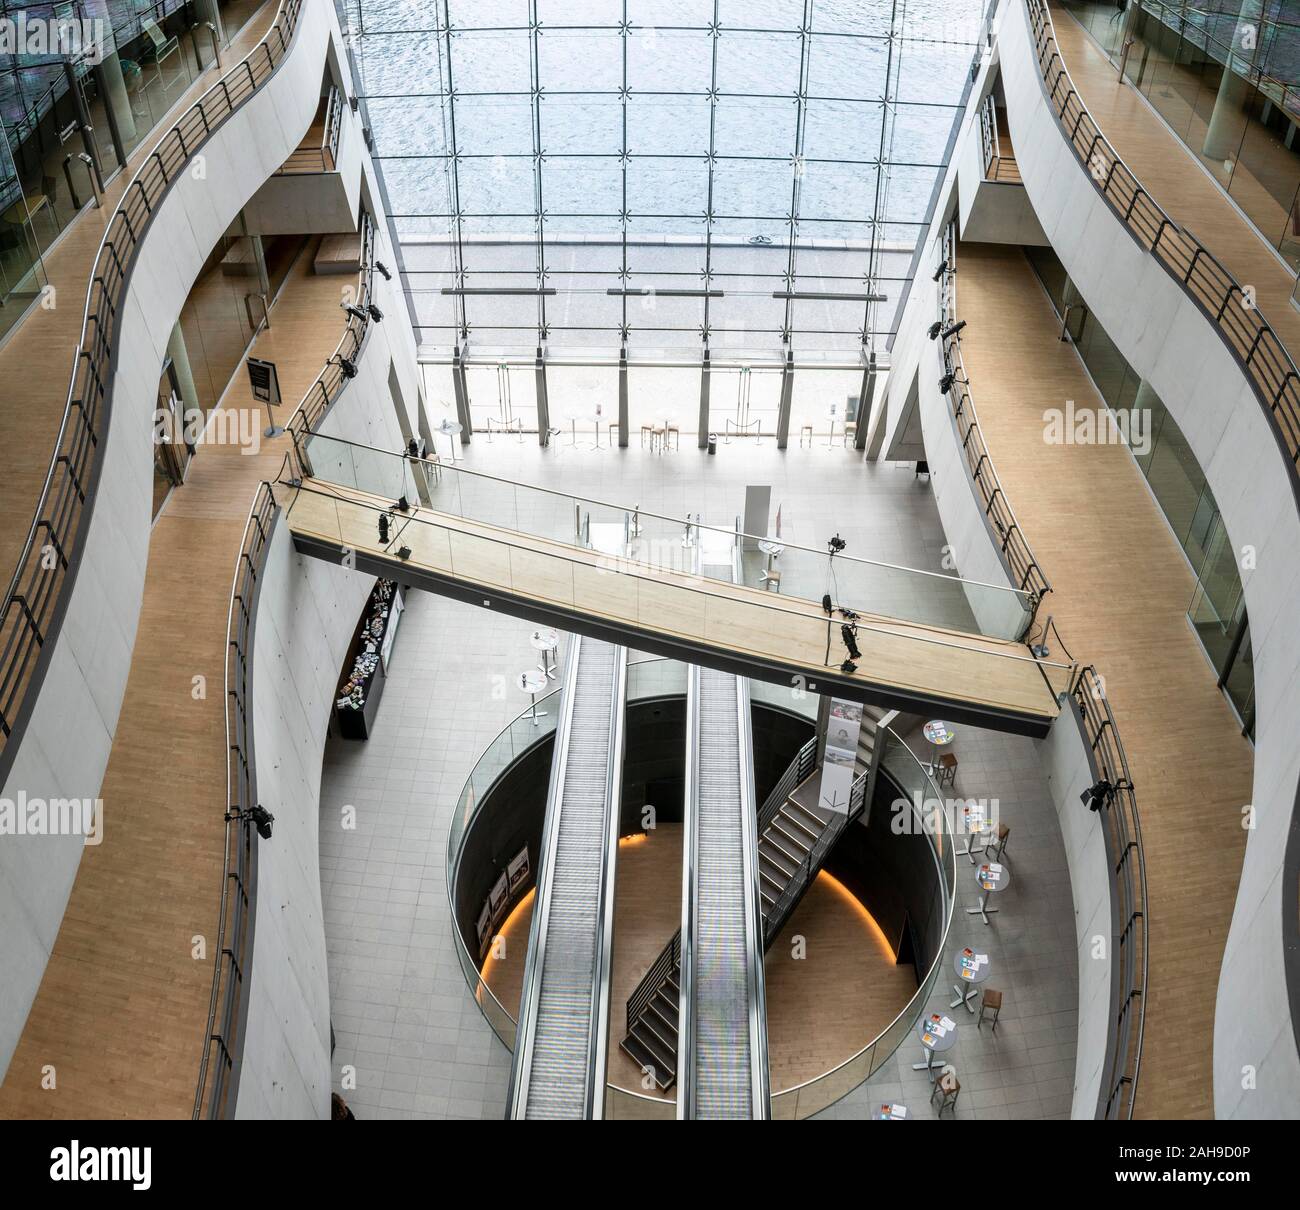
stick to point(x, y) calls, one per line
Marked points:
point(952, 329)
point(349, 368)
point(383, 529)
point(262, 819)
point(848, 666)
point(941, 270)
point(934, 329)
point(374, 312)
point(403, 553)
point(945, 383)
point(849, 632)
point(354, 311)
point(835, 545)
point(403, 505)
point(384, 269)
point(1097, 796)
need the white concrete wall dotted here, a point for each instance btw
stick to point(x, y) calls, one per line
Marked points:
point(992, 212)
point(1179, 351)
point(1064, 756)
point(81, 692)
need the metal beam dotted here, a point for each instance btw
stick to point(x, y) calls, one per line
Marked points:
point(622, 398)
point(704, 400)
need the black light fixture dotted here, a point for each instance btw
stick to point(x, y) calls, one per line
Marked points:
point(934, 329)
point(952, 329)
point(354, 311)
point(835, 545)
point(848, 666)
point(403, 553)
point(403, 505)
point(941, 270)
point(349, 368)
point(383, 529)
point(945, 383)
point(384, 269)
point(375, 313)
point(1097, 796)
point(826, 603)
point(262, 819)
point(848, 632)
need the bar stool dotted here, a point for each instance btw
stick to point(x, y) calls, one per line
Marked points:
point(999, 846)
point(805, 430)
point(948, 1088)
point(675, 433)
point(646, 429)
point(772, 581)
point(612, 430)
point(850, 431)
point(990, 1003)
point(947, 770)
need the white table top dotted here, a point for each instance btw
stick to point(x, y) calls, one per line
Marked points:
point(770, 547)
point(938, 732)
point(532, 681)
point(993, 876)
point(450, 426)
point(544, 640)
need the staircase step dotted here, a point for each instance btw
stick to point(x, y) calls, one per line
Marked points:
point(780, 861)
point(791, 822)
point(637, 1051)
point(779, 841)
point(665, 1023)
point(814, 816)
point(654, 1041)
point(764, 876)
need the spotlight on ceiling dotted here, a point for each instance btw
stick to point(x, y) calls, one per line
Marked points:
point(941, 270)
point(375, 313)
point(952, 329)
point(384, 269)
point(262, 819)
point(349, 368)
point(945, 383)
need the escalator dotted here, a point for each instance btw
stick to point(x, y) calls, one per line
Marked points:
point(562, 1042)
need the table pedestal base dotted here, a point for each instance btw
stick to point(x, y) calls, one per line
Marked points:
point(964, 996)
point(983, 909)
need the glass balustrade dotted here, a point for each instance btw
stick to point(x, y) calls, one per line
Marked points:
point(668, 543)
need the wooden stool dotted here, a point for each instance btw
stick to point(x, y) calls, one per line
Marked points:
point(676, 434)
point(850, 431)
point(646, 428)
point(990, 1003)
point(999, 846)
point(805, 430)
point(948, 1087)
point(772, 581)
point(947, 769)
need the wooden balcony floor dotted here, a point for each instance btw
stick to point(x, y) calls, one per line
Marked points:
point(122, 1007)
point(1176, 179)
point(1121, 590)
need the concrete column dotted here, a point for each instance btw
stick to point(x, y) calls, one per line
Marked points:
point(543, 400)
point(866, 398)
point(117, 99)
point(461, 387)
point(787, 393)
point(180, 356)
point(622, 398)
point(1223, 138)
point(704, 401)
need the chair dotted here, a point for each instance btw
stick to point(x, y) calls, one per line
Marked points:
point(162, 47)
point(948, 769)
point(990, 1004)
point(998, 846)
point(948, 1088)
point(805, 430)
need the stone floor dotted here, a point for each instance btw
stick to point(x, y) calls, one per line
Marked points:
point(403, 1013)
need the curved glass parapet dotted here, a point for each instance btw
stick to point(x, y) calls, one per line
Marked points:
point(870, 587)
point(656, 677)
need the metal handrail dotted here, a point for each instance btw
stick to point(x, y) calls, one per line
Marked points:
point(1019, 559)
point(1230, 307)
point(34, 602)
point(235, 919)
point(1123, 833)
point(330, 382)
point(324, 157)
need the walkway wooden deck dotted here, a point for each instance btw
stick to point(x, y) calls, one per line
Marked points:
point(1176, 179)
point(702, 615)
point(1121, 590)
point(121, 1010)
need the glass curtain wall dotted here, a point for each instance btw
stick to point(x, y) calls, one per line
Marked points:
point(84, 78)
point(1217, 610)
point(749, 176)
point(1225, 75)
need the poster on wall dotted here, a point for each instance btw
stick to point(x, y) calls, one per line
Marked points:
point(517, 870)
point(843, 726)
point(498, 897)
point(394, 616)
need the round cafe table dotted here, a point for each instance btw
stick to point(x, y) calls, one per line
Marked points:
point(937, 1043)
point(545, 641)
point(970, 974)
point(772, 550)
point(451, 429)
point(889, 1113)
point(938, 732)
point(532, 682)
point(991, 877)
point(976, 825)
